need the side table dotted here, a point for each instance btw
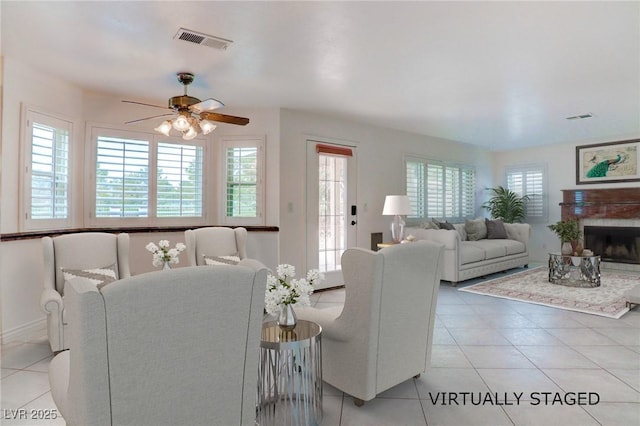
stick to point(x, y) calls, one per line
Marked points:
point(574, 271)
point(290, 375)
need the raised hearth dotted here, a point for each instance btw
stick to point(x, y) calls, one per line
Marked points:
point(614, 208)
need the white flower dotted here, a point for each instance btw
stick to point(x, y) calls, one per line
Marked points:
point(162, 253)
point(286, 290)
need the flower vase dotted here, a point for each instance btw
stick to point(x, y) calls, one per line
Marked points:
point(287, 319)
point(567, 249)
point(166, 266)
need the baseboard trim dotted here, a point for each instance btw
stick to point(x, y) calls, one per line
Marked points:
point(23, 332)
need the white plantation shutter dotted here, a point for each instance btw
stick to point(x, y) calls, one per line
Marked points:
point(47, 194)
point(122, 177)
point(415, 188)
point(179, 180)
point(439, 190)
point(531, 181)
point(243, 180)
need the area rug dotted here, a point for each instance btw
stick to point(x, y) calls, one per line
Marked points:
point(533, 286)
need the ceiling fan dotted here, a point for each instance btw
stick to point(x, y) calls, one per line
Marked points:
point(193, 116)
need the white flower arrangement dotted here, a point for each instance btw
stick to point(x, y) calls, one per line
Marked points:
point(286, 290)
point(162, 253)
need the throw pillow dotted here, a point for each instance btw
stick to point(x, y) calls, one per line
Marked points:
point(476, 229)
point(444, 225)
point(221, 260)
point(495, 229)
point(430, 225)
point(98, 276)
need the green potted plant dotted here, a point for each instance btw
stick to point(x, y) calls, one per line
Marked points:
point(506, 205)
point(569, 233)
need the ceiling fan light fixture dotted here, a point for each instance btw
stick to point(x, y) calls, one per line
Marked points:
point(207, 127)
point(164, 128)
point(189, 134)
point(181, 123)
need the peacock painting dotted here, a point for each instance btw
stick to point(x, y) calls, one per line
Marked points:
point(602, 168)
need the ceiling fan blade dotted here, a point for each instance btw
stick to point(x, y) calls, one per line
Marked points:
point(142, 103)
point(149, 118)
point(206, 105)
point(231, 119)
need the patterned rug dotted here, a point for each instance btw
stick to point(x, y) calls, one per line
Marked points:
point(533, 286)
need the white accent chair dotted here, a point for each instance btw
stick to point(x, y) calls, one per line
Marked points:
point(214, 241)
point(382, 335)
point(79, 251)
point(163, 348)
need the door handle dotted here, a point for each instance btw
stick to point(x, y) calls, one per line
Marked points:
point(353, 222)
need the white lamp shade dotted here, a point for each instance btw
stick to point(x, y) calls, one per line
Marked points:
point(207, 127)
point(164, 128)
point(189, 134)
point(396, 205)
point(181, 123)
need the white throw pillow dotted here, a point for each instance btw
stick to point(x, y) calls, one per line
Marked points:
point(221, 260)
point(98, 276)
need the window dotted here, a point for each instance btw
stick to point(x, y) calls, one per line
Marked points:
point(146, 176)
point(530, 181)
point(440, 190)
point(46, 184)
point(243, 167)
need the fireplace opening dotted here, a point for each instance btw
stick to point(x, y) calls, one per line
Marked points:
point(614, 243)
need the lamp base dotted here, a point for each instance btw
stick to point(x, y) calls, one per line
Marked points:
point(397, 229)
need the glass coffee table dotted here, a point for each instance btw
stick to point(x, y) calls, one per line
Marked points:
point(574, 271)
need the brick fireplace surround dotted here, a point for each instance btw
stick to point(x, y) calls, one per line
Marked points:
point(603, 207)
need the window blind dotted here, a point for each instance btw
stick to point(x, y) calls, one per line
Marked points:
point(242, 182)
point(179, 189)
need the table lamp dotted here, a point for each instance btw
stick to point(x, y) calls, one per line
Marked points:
point(396, 205)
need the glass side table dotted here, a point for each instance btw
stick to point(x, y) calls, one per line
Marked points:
point(574, 271)
point(290, 375)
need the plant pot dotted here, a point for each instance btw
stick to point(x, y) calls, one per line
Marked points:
point(567, 249)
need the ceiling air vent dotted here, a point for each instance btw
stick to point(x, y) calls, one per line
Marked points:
point(203, 39)
point(580, 117)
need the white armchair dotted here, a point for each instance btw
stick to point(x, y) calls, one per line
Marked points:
point(383, 333)
point(163, 348)
point(214, 241)
point(77, 252)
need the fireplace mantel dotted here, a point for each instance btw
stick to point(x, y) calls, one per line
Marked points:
point(610, 203)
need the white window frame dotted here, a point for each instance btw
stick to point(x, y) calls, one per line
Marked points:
point(543, 197)
point(227, 142)
point(414, 219)
point(93, 131)
point(30, 114)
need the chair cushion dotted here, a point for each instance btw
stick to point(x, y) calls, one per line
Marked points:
point(221, 260)
point(98, 276)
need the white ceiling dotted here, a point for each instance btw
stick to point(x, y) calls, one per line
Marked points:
point(497, 74)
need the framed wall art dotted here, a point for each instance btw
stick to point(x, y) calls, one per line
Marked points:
point(608, 162)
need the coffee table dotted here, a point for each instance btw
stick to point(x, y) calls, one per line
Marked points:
point(574, 271)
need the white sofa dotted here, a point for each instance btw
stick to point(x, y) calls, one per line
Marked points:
point(464, 260)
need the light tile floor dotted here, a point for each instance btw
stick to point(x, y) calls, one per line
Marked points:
point(483, 346)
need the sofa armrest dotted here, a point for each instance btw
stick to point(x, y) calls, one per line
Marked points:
point(519, 232)
point(450, 238)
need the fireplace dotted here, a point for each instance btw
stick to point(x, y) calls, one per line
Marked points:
point(610, 220)
point(620, 244)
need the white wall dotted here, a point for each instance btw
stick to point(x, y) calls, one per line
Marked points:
point(21, 261)
point(380, 163)
point(560, 161)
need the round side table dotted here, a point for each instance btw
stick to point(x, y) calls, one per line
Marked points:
point(290, 375)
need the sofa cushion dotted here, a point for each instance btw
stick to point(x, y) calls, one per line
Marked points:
point(495, 229)
point(470, 253)
point(513, 246)
point(492, 248)
point(476, 229)
point(444, 225)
